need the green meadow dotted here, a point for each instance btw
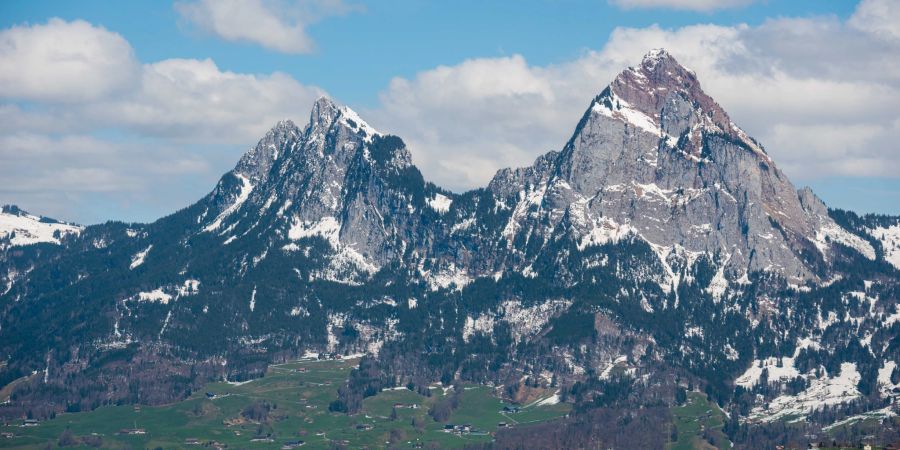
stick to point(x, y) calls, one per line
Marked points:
point(692, 418)
point(295, 397)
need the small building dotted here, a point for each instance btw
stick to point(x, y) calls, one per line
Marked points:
point(30, 423)
point(502, 425)
point(192, 441)
point(133, 431)
point(292, 444)
point(210, 395)
point(364, 427)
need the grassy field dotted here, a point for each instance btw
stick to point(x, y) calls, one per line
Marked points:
point(298, 395)
point(692, 418)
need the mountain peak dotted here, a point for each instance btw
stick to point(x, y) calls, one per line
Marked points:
point(658, 77)
point(283, 124)
point(326, 113)
point(256, 162)
point(656, 56)
point(664, 97)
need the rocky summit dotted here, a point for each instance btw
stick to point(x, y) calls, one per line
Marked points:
point(659, 249)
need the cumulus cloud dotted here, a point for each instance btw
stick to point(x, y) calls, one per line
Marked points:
point(73, 176)
point(878, 17)
point(194, 100)
point(64, 61)
point(693, 5)
point(98, 126)
point(276, 25)
point(177, 123)
point(818, 92)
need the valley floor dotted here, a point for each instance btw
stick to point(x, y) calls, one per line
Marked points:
point(293, 398)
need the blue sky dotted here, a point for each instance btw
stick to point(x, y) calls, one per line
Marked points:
point(387, 59)
point(358, 53)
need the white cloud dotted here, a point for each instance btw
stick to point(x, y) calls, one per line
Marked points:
point(84, 131)
point(693, 5)
point(464, 122)
point(194, 100)
point(276, 25)
point(878, 17)
point(71, 176)
point(819, 93)
point(64, 61)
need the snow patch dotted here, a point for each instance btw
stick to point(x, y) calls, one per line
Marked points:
point(884, 379)
point(348, 115)
point(462, 226)
point(450, 276)
point(718, 285)
point(784, 373)
point(154, 296)
point(890, 242)
point(243, 195)
point(877, 414)
point(26, 229)
point(604, 231)
point(549, 401)
point(622, 110)
point(833, 232)
point(138, 257)
point(346, 265)
point(526, 321)
point(190, 287)
point(607, 371)
point(327, 227)
point(822, 392)
point(440, 203)
point(484, 324)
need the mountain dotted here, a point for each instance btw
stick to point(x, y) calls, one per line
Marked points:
point(660, 248)
point(18, 228)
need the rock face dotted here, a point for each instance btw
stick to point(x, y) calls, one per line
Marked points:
point(657, 157)
point(337, 179)
point(652, 157)
point(659, 236)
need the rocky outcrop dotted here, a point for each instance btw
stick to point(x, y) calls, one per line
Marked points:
point(656, 157)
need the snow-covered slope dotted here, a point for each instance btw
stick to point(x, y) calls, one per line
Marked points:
point(890, 242)
point(17, 227)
